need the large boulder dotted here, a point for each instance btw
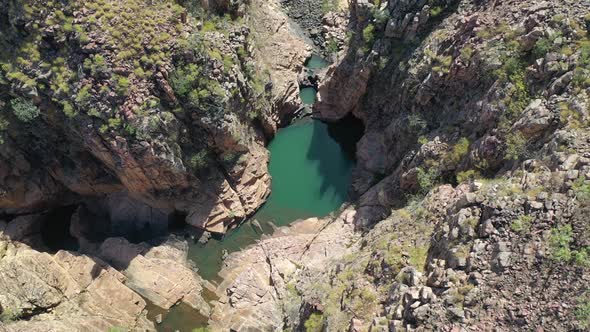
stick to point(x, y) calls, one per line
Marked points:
point(67, 292)
point(160, 273)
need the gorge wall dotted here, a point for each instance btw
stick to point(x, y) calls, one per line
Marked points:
point(471, 194)
point(163, 108)
point(472, 179)
point(131, 115)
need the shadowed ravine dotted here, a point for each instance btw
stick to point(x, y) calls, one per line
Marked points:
point(311, 174)
point(310, 165)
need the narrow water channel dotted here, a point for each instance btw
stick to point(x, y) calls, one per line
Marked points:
point(310, 165)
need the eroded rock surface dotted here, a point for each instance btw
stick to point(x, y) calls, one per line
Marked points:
point(66, 292)
point(255, 292)
point(159, 273)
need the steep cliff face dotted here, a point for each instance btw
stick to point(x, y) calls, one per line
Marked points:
point(457, 87)
point(131, 115)
point(157, 102)
point(472, 177)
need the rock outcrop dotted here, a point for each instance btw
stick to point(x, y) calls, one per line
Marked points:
point(64, 292)
point(472, 180)
point(160, 274)
point(258, 282)
point(175, 118)
point(283, 52)
point(95, 291)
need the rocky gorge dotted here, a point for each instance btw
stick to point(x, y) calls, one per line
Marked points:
point(469, 207)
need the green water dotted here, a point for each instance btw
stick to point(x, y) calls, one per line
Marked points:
point(316, 62)
point(180, 318)
point(310, 165)
point(308, 95)
point(311, 173)
point(310, 178)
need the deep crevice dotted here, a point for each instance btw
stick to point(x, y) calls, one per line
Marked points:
point(55, 229)
point(347, 132)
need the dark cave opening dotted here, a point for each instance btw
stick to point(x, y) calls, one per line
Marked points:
point(55, 229)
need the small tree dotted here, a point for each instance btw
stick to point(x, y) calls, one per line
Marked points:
point(24, 109)
point(314, 323)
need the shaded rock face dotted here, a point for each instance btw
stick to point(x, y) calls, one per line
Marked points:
point(283, 52)
point(160, 149)
point(345, 82)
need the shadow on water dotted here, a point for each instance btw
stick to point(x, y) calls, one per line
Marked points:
point(179, 315)
point(347, 132)
point(311, 175)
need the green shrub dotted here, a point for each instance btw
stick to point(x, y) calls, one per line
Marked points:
point(570, 117)
point(228, 62)
point(581, 78)
point(515, 146)
point(215, 54)
point(581, 190)
point(139, 72)
point(485, 33)
point(114, 123)
point(122, 85)
point(417, 123)
point(9, 315)
point(584, 54)
point(184, 78)
point(69, 110)
point(559, 243)
point(209, 26)
point(467, 52)
point(436, 10)
point(369, 36)
point(542, 47)
point(522, 224)
point(442, 64)
point(83, 96)
point(582, 312)
point(381, 16)
point(329, 6)
point(363, 301)
point(198, 160)
point(96, 64)
point(581, 257)
point(468, 175)
point(519, 97)
point(427, 179)
point(332, 46)
point(460, 149)
point(314, 323)
point(24, 109)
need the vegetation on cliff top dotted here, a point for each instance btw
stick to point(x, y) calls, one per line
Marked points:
point(125, 68)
